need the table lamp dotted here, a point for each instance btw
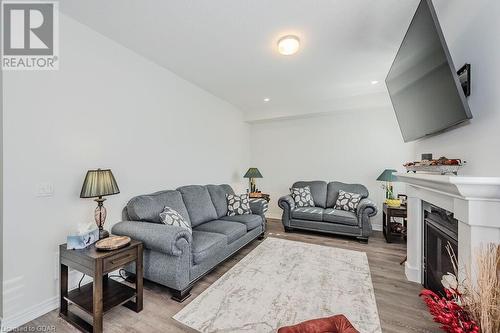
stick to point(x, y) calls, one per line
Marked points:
point(97, 184)
point(388, 177)
point(251, 174)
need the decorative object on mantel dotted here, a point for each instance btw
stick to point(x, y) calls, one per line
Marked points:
point(97, 184)
point(112, 243)
point(426, 157)
point(388, 177)
point(442, 166)
point(471, 305)
point(251, 174)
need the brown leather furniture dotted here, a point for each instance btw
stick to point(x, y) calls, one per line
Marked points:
point(333, 324)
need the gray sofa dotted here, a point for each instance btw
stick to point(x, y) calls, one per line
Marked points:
point(172, 256)
point(323, 217)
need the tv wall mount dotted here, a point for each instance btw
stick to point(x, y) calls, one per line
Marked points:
point(464, 78)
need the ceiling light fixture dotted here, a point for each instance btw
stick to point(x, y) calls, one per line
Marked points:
point(267, 99)
point(288, 45)
point(374, 82)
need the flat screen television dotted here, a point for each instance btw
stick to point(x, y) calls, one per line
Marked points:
point(423, 84)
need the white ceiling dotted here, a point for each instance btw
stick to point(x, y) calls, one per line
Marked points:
point(228, 47)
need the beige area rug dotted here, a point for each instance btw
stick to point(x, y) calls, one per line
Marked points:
point(284, 282)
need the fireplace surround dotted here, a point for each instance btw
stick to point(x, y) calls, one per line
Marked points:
point(474, 203)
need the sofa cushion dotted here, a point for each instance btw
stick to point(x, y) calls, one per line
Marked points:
point(232, 230)
point(318, 191)
point(251, 221)
point(218, 195)
point(340, 216)
point(334, 188)
point(198, 203)
point(206, 245)
point(148, 207)
point(308, 213)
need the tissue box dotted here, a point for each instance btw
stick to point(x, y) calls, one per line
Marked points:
point(76, 242)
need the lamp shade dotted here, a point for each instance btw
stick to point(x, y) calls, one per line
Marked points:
point(253, 173)
point(387, 176)
point(99, 183)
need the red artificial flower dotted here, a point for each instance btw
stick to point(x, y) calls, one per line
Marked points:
point(447, 312)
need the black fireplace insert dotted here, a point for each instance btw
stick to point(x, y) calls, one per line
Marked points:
point(440, 230)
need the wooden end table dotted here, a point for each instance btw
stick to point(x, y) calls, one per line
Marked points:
point(103, 293)
point(260, 195)
point(388, 213)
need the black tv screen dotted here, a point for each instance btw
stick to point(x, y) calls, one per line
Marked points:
point(422, 82)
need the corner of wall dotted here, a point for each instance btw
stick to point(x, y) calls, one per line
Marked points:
point(1, 197)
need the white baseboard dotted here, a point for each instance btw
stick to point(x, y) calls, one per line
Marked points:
point(412, 273)
point(32, 312)
point(13, 321)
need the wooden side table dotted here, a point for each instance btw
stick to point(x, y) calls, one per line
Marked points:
point(388, 213)
point(260, 195)
point(103, 293)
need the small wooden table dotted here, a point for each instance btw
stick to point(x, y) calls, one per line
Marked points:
point(103, 293)
point(388, 213)
point(260, 195)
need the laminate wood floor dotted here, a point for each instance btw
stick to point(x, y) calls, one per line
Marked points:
point(399, 306)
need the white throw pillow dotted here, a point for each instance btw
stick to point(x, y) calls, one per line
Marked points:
point(348, 201)
point(172, 217)
point(302, 196)
point(238, 204)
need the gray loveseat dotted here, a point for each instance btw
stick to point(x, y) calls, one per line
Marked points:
point(323, 217)
point(172, 256)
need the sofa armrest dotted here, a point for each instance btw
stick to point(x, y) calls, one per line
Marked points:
point(368, 207)
point(258, 206)
point(286, 202)
point(163, 238)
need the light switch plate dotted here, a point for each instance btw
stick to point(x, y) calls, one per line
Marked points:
point(45, 189)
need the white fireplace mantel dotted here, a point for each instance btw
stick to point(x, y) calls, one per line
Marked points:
point(474, 201)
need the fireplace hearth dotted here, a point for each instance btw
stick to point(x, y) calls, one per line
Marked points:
point(440, 230)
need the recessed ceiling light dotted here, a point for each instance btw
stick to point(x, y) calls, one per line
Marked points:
point(288, 45)
point(266, 100)
point(374, 82)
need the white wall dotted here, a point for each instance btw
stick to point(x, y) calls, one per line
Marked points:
point(1, 197)
point(352, 146)
point(106, 107)
point(471, 30)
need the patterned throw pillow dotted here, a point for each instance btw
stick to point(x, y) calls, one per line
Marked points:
point(238, 204)
point(172, 217)
point(348, 201)
point(302, 196)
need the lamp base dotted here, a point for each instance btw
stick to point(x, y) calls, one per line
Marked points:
point(103, 233)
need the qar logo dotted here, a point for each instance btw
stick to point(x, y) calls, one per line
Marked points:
point(30, 35)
